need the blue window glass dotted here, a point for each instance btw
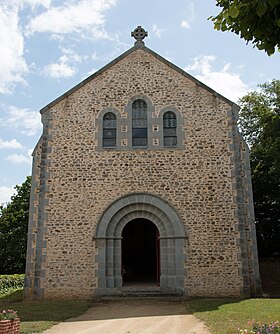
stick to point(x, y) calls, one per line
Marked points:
point(139, 123)
point(169, 129)
point(109, 130)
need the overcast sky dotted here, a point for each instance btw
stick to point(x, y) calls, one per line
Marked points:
point(48, 46)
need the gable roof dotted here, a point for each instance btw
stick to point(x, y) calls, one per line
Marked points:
point(122, 56)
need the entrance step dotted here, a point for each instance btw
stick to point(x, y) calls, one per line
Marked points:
point(141, 294)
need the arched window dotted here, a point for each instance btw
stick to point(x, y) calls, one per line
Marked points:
point(139, 123)
point(109, 130)
point(169, 129)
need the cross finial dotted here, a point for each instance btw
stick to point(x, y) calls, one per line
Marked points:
point(139, 34)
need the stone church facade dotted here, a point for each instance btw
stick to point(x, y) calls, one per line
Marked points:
point(141, 175)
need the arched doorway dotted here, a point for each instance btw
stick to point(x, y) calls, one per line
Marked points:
point(108, 242)
point(140, 252)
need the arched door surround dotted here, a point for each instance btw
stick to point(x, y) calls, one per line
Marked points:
point(109, 234)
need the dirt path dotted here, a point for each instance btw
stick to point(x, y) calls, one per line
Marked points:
point(134, 317)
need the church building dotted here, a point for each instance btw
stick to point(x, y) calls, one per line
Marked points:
point(141, 179)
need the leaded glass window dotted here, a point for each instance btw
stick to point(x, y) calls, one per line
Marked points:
point(109, 130)
point(139, 123)
point(169, 129)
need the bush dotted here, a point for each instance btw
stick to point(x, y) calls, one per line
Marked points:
point(11, 282)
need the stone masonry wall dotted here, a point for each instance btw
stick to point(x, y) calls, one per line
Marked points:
point(197, 180)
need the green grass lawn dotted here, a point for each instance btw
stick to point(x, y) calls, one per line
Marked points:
point(37, 316)
point(226, 316)
point(222, 316)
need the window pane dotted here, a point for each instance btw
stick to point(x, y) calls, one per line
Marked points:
point(169, 123)
point(139, 104)
point(109, 133)
point(109, 115)
point(169, 120)
point(139, 113)
point(139, 123)
point(109, 129)
point(170, 141)
point(169, 114)
point(109, 121)
point(109, 142)
point(109, 124)
point(169, 129)
point(139, 133)
point(139, 142)
point(169, 132)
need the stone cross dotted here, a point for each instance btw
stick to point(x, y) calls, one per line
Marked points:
point(139, 34)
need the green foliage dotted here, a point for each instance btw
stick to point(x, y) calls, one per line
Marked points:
point(11, 282)
point(258, 110)
point(260, 125)
point(8, 315)
point(259, 328)
point(257, 21)
point(13, 230)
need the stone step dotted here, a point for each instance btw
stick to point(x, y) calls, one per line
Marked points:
point(141, 294)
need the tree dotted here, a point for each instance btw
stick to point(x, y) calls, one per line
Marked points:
point(257, 21)
point(260, 125)
point(13, 230)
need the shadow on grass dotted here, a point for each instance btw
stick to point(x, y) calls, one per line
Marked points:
point(54, 311)
point(210, 304)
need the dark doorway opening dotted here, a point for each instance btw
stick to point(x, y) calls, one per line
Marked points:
point(140, 252)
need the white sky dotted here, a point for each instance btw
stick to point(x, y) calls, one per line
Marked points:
point(48, 46)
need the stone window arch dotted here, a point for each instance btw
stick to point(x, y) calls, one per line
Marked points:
point(139, 123)
point(109, 130)
point(171, 123)
point(169, 129)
